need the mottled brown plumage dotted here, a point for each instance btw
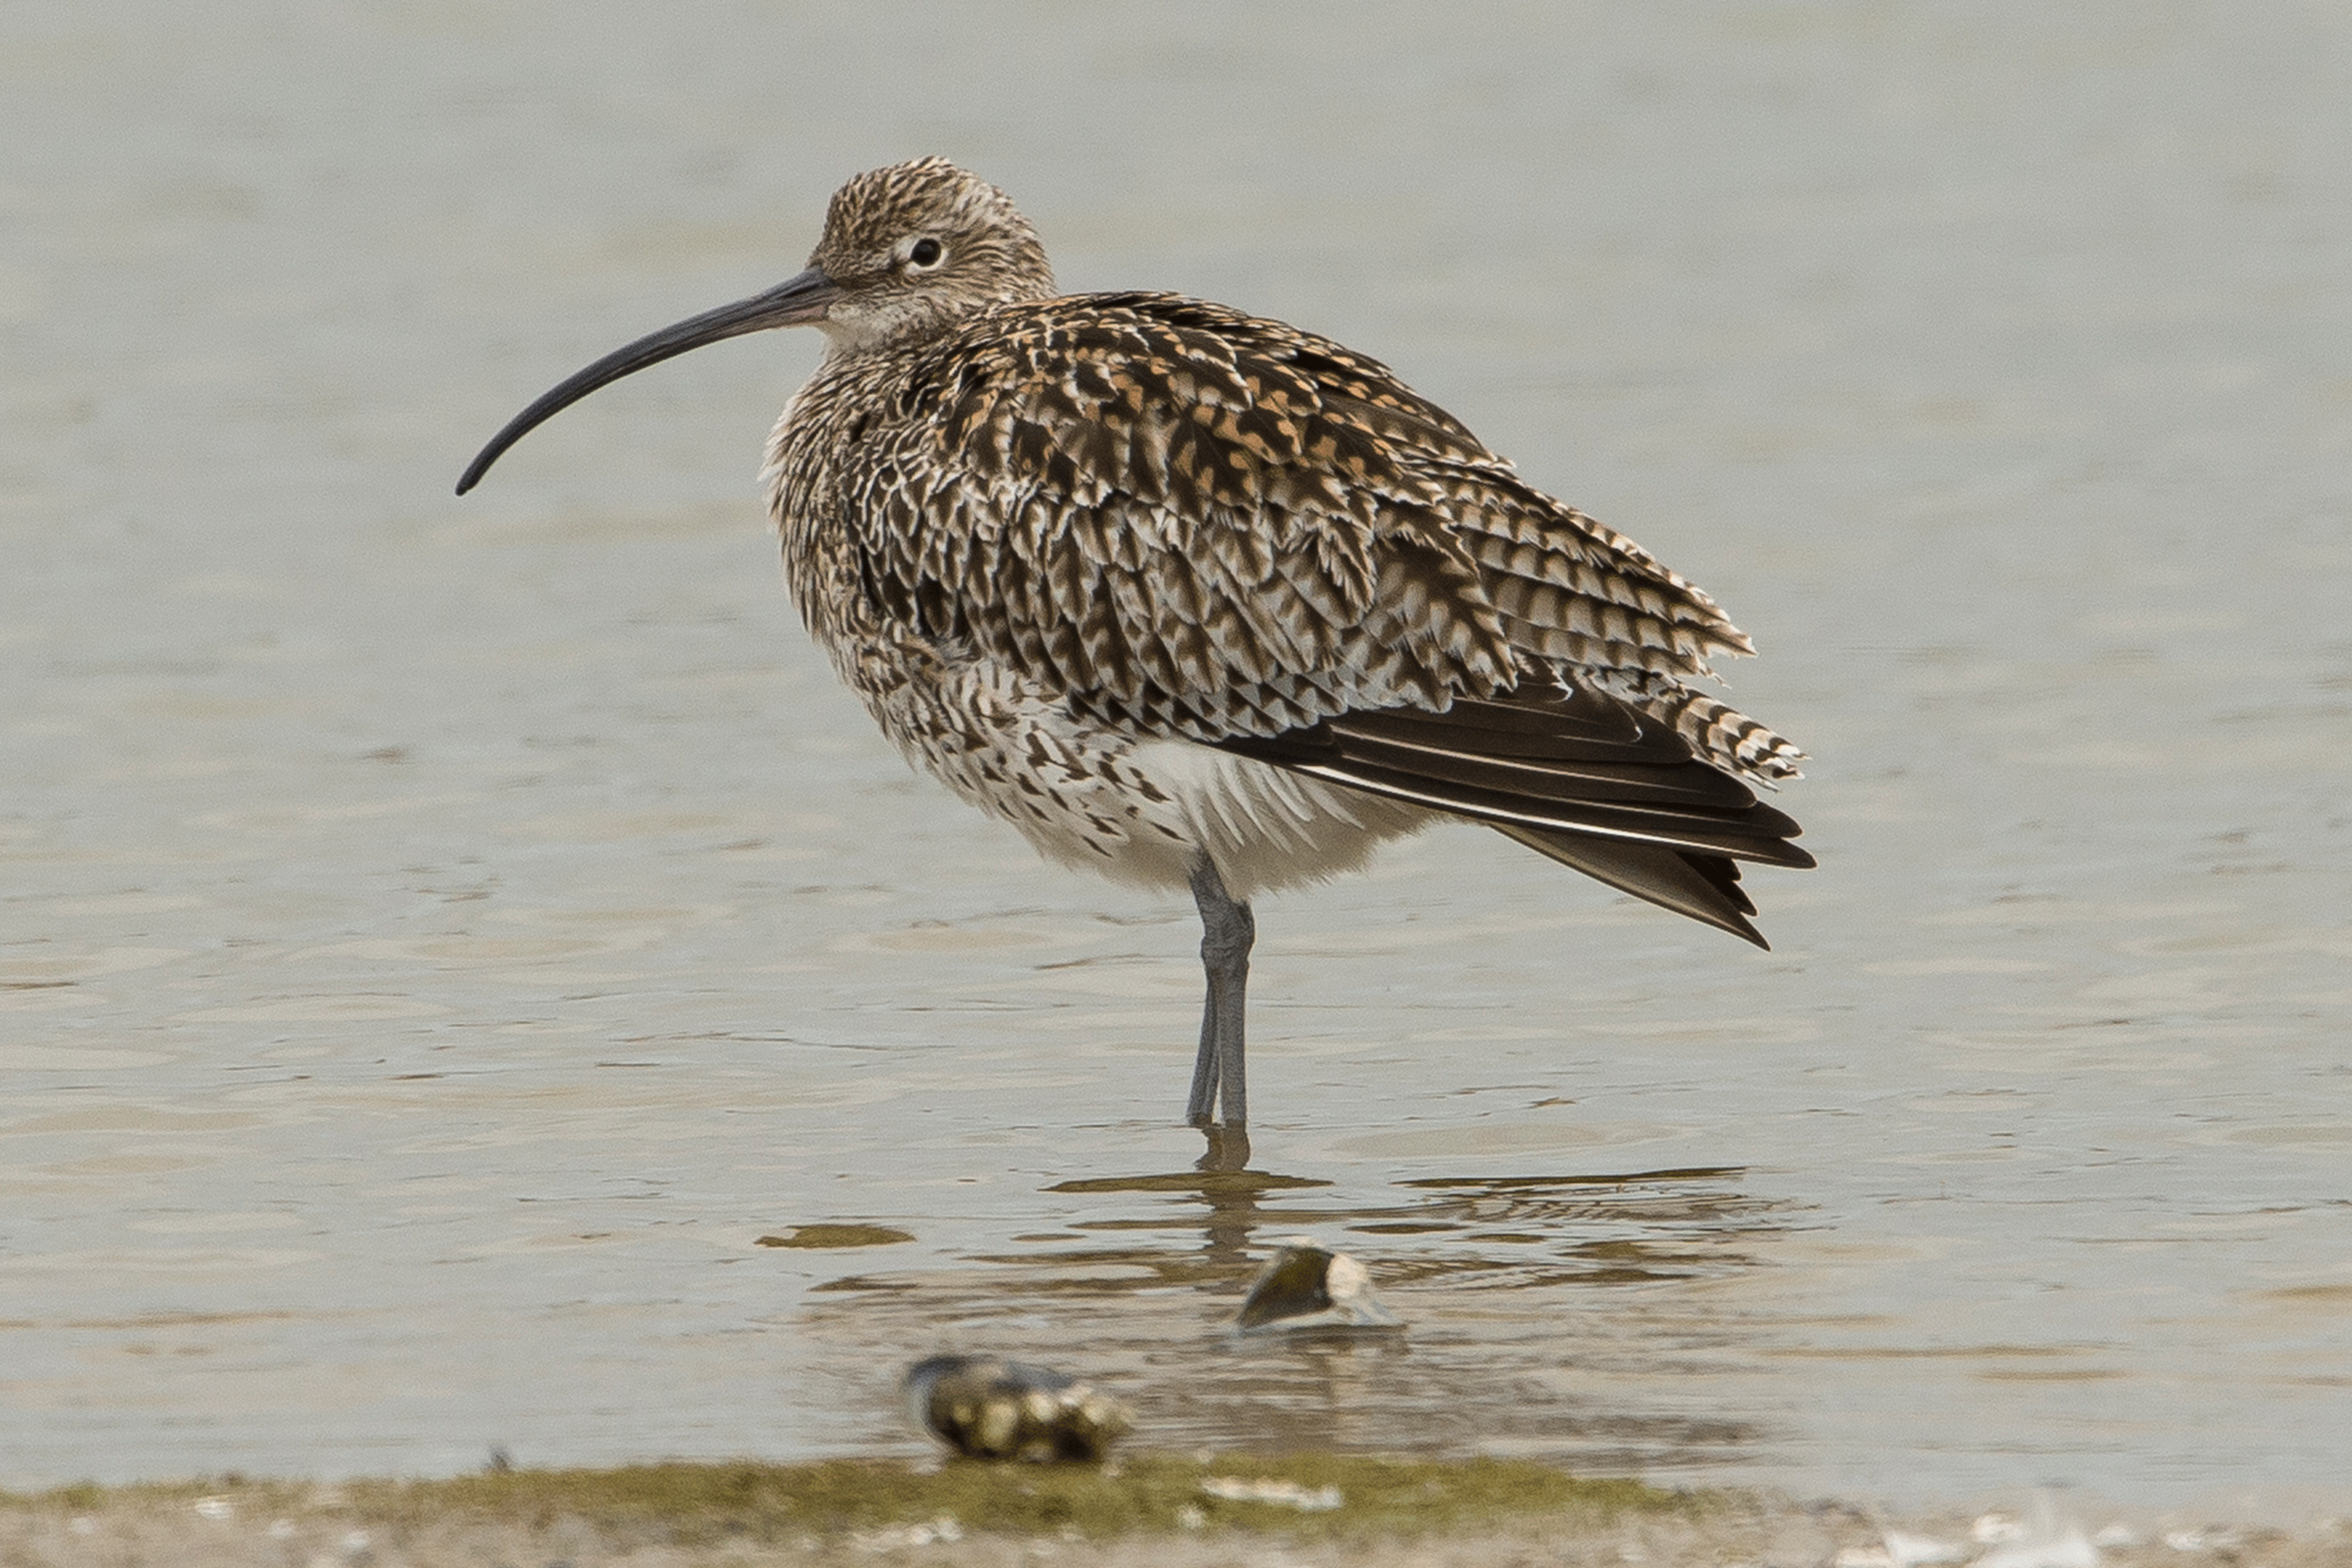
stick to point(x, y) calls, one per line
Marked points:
point(1196, 598)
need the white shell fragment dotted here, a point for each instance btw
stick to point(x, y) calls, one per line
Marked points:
point(1277, 1494)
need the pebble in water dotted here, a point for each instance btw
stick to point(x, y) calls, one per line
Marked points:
point(989, 1409)
point(1309, 1286)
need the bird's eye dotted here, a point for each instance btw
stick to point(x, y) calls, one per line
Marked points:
point(925, 252)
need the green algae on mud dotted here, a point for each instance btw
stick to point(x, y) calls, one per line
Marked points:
point(698, 1504)
point(834, 1235)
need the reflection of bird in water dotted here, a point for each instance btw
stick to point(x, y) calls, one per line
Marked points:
point(1199, 600)
point(989, 1409)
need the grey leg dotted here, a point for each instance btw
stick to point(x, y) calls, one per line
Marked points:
point(1227, 931)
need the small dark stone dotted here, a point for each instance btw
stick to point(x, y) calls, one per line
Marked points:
point(989, 1409)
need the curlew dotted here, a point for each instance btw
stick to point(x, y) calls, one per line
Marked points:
point(1198, 600)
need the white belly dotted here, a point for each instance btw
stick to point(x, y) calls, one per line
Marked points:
point(1134, 811)
point(1265, 827)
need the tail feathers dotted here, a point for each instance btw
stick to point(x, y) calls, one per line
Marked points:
point(1703, 887)
point(1720, 734)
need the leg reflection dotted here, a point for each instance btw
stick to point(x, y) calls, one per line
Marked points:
point(1229, 1148)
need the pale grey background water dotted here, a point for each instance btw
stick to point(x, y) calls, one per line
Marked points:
point(441, 938)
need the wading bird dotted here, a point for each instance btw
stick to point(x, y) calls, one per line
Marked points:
point(1196, 599)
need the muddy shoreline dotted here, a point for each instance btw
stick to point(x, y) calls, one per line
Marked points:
point(1156, 1510)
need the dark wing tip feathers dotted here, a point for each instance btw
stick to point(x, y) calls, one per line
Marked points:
point(1706, 888)
point(1579, 778)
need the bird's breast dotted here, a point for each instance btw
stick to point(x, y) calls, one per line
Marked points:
point(819, 440)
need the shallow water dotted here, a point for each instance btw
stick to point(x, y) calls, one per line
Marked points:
point(442, 939)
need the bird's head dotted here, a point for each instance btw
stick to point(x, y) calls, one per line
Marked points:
point(910, 248)
point(906, 250)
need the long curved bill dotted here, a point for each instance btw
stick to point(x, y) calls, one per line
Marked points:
point(796, 301)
